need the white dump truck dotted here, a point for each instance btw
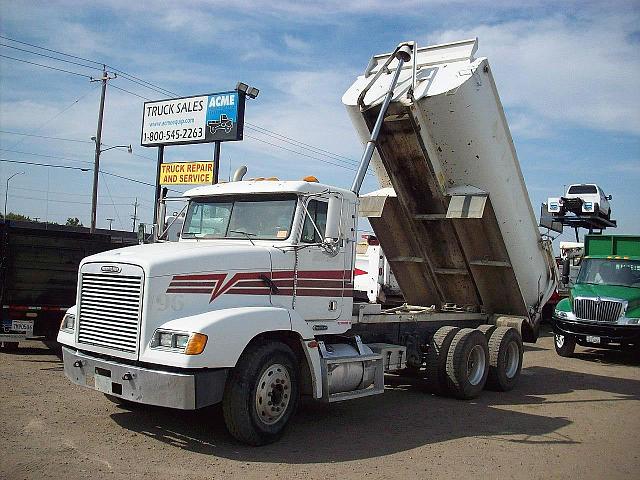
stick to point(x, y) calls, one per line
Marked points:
point(253, 306)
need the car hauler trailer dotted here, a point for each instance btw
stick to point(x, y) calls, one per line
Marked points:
point(253, 306)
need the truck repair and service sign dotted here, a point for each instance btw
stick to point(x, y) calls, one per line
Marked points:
point(186, 173)
point(217, 117)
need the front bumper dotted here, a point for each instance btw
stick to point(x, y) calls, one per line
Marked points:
point(608, 333)
point(184, 391)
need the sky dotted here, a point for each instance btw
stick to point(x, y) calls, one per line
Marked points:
point(567, 73)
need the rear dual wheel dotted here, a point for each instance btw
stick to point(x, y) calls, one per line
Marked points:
point(461, 362)
point(467, 364)
point(505, 358)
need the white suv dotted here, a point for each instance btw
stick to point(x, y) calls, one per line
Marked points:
point(580, 199)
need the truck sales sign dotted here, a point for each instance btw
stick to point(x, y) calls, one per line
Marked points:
point(217, 117)
point(186, 173)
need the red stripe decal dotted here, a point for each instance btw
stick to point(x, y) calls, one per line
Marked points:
point(189, 290)
point(192, 284)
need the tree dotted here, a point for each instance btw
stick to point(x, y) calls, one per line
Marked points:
point(17, 216)
point(73, 222)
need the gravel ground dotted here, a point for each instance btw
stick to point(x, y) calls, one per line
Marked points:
point(567, 418)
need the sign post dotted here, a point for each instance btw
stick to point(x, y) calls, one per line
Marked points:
point(215, 117)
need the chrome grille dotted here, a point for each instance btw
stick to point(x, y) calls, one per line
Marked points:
point(109, 311)
point(598, 310)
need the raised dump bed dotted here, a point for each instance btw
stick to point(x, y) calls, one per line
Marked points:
point(453, 215)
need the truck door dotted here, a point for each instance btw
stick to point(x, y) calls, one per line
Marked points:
point(319, 277)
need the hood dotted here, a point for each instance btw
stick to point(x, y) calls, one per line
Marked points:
point(175, 258)
point(630, 294)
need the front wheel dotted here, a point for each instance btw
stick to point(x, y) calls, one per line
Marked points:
point(261, 394)
point(565, 344)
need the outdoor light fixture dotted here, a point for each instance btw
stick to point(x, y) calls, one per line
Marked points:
point(251, 92)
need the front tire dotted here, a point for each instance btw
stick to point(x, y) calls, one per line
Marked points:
point(261, 394)
point(565, 344)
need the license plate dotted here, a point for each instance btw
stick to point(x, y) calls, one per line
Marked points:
point(102, 383)
point(22, 326)
point(591, 339)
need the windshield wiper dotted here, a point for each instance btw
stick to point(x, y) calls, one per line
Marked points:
point(247, 234)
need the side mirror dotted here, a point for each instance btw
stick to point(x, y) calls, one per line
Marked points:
point(334, 213)
point(609, 197)
point(565, 271)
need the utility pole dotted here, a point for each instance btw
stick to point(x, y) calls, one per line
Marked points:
point(109, 220)
point(96, 166)
point(134, 217)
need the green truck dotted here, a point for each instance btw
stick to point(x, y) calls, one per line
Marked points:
point(603, 308)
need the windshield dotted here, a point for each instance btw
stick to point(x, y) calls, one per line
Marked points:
point(254, 217)
point(603, 271)
point(583, 189)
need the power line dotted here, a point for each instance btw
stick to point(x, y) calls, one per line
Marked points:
point(45, 155)
point(130, 93)
point(55, 192)
point(297, 142)
point(44, 164)
point(264, 131)
point(46, 66)
point(56, 115)
point(66, 140)
point(69, 167)
point(50, 50)
point(48, 56)
point(112, 202)
point(45, 136)
point(56, 200)
point(300, 153)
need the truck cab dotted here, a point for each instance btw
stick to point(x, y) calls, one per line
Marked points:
point(603, 308)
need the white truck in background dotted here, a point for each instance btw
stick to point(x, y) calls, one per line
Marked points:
point(582, 199)
point(373, 279)
point(254, 305)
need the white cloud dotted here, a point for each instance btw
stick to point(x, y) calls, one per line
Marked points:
point(583, 72)
point(295, 43)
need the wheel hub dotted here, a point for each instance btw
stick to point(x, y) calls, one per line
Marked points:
point(273, 394)
point(476, 365)
point(559, 340)
point(513, 359)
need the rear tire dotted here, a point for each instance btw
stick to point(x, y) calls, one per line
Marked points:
point(565, 344)
point(505, 359)
point(487, 330)
point(436, 370)
point(264, 374)
point(467, 364)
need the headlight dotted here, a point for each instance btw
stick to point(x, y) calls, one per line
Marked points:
point(189, 343)
point(68, 323)
point(562, 314)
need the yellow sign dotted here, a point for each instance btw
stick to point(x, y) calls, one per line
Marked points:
point(186, 173)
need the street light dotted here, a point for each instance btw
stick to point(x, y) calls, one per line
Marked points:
point(96, 170)
point(6, 193)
